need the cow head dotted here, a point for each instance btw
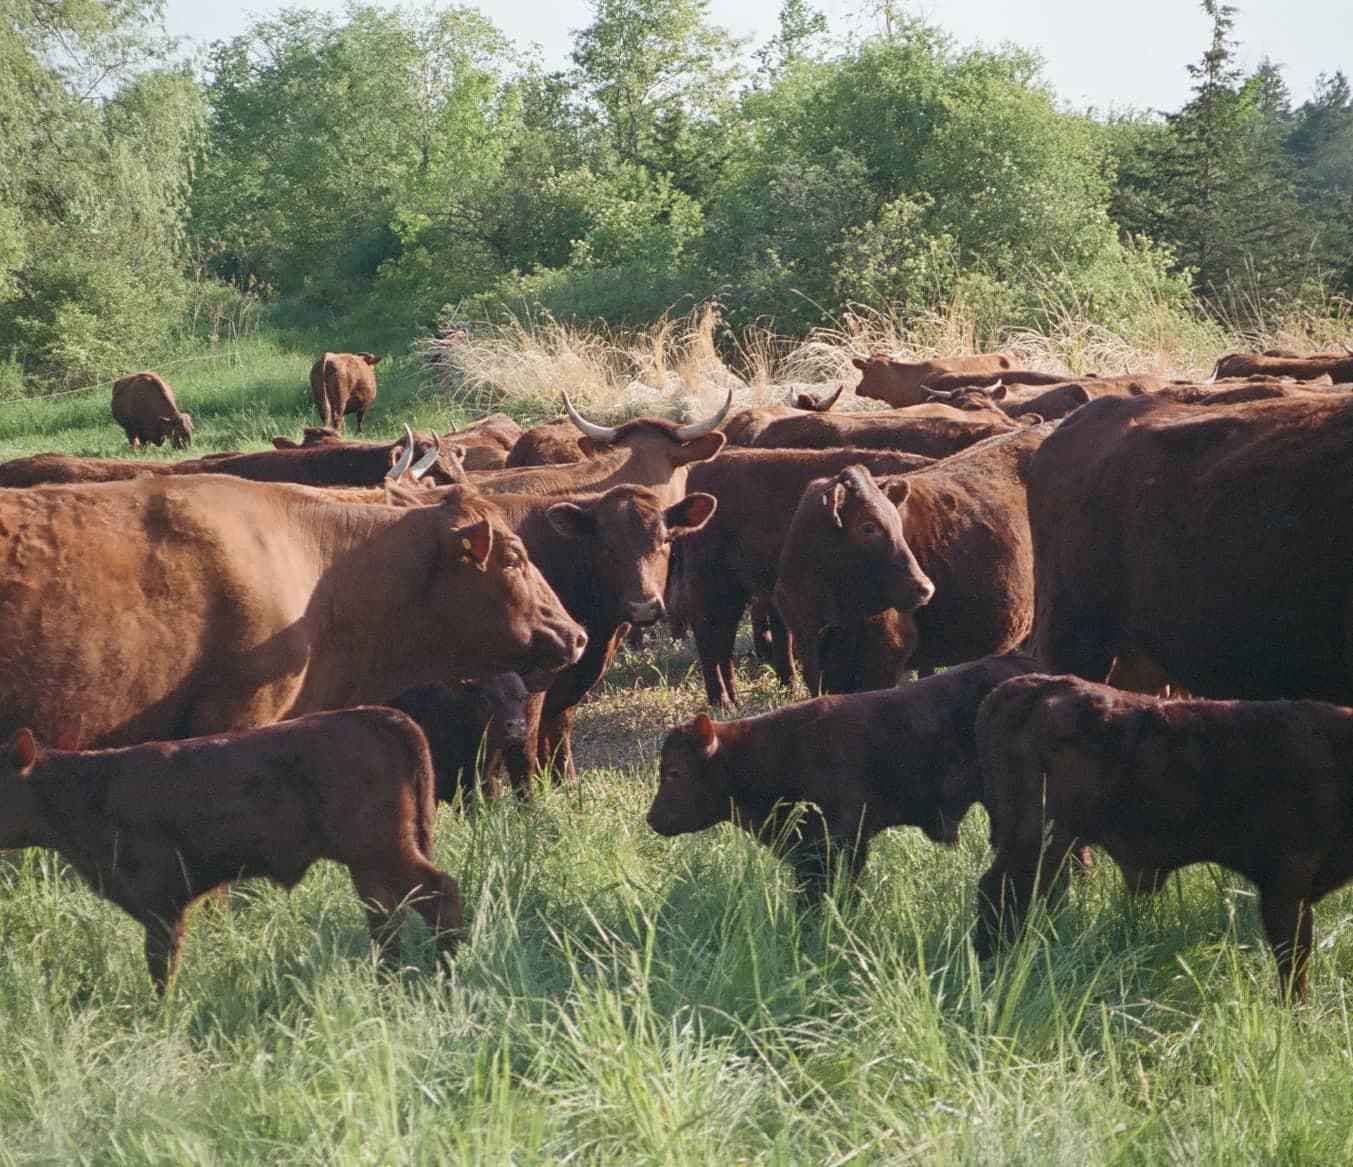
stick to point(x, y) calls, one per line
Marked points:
point(371, 359)
point(973, 397)
point(807, 401)
point(23, 762)
point(500, 708)
point(846, 557)
point(630, 533)
point(440, 461)
point(180, 429)
point(692, 792)
point(659, 450)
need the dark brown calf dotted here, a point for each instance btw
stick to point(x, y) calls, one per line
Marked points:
point(1262, 787)
point(468, 724)
point(154, 827)
point(863, 762)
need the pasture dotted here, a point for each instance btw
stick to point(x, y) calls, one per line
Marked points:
point(624, 998)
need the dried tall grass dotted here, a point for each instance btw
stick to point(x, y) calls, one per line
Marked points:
point(682, 367)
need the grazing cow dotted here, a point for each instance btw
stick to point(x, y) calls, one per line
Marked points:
point(1281, 363)
point(862, 763)
point(900, 383)
point(174, 607)
point(605, 556)
point(144, 406)
point(343, 383)
point(716, 572)
point(904, 430)
point(644, 452)
point(468, 724)
point(1261, 787)
point(853, 551)
point(743, 427)
point(1209, 547)
point(320, 463)
point(155, 827)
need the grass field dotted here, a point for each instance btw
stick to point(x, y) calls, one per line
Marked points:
point(628, 999)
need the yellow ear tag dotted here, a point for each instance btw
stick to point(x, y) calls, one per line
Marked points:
point(466, 544)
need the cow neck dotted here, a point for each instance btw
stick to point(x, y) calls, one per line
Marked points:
point(622, 466)
point(753, 778)
point(567, 564)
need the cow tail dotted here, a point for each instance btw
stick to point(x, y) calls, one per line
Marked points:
point(326, 406)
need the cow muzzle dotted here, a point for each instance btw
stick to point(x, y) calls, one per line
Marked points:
point(514, 731)
point(645, 612)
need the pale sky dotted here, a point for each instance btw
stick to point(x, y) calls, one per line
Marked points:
point(1105, 53)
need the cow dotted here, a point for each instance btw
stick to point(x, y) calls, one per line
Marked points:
point(319, 463)
point(605, 555)
point(1209, 547)
point(644, 452)
point(900, 383)
point(1282, 363)
point(1056, 401)
point(170, 608)
point(552, 443)
point(466, 725)
point(488, 441)
point(1022, 380)
point(157, 826)
point(311, 435)
point(862, 763)
point(732, 562)
point(1261, 787)
point(854, 549)
point(343, 383)
point(742, 428)
point(903, 430)
point(145, 408)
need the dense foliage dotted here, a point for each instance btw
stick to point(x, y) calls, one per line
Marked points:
point(391, 162)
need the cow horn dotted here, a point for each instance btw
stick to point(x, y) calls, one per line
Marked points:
point(1348, 348)
point(827, 402)
point(698, 429)
point(424, 464)
point(405, 459)
point(598, 433)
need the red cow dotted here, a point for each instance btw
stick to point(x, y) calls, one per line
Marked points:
point(145, 408)
point(900, 383)
point(343, 383)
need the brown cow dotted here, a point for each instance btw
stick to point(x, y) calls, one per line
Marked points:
point(1022, 380)
point(606, 558)
point(478, 725)
point(644, 452)
point(1261, 787)
point(144, 406)
point(553, 443)
point(743, 427)
point(319, 463)
point(1207, 546)
point(862, 763)
point(155, 827)
point(181, 606)
point(716, 572)
point(1057, 401)
point(899, 382)
point(904, 430)
point(1280, 363)
point(963, 520)
point(342, 383)
point(488, 441)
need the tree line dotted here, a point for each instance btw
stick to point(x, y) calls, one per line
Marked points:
point(392, 165)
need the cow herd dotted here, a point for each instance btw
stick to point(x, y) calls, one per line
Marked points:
point(232, 666)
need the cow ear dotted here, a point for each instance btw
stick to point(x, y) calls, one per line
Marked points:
point(68, 737)
point(473, 544)
point(590, 447)
point(690, 514)
point(896, 490)
point(701, 449)
point(572, 521)
point(860, 363)
point(23, 752)
point(705, 737)
point(1029, 419)
point(281, 443)
point(998, 392)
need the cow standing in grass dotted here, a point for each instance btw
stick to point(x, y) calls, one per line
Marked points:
point(343, 383)
point(145, 408)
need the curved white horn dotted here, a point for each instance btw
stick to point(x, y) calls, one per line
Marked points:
point(424, 464)
point(827, 402)
point(698, 429)
point(598, 433)
point(405, 459)
point(1348, 348)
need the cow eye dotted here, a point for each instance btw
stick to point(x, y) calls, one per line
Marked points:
point(869, 528)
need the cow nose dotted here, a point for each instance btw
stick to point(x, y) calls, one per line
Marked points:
point(514, 729)
point(562, 645)
point(925, 591)
point(646, 612)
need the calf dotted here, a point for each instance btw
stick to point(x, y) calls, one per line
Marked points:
point(145, 408)
point(466, 724)
point(863, 763)
point(154, 827)
point(1261, 787)
point(343, 383)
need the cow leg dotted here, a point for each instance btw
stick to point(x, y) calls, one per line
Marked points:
point(714, 639)
point(781, 647)
point(436, 897)
point(556, 743)
point(360, 418)
point(761, 615)
point(533, 709)
point(1017, 876)
point(383, 901)
point(164, 944)
point(1288, 924)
